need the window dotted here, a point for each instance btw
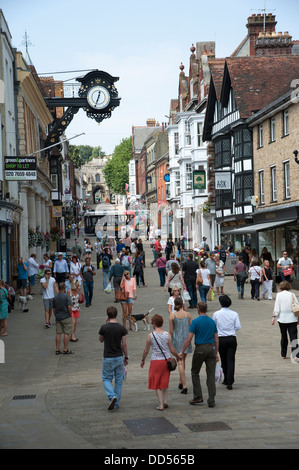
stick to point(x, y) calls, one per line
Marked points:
point(286, 122)
point(177, 183)
point(272, 129)
point(273, 183)
point(223, 152)
point(261, 186)
point(188, 176)
point(243, 188)
point(260, 135)
point(54, 181)
point(176, 143)
point(98, 178)
point(223, 199)
point(242, 143)
point(199, 134)
point(287, 188)
point(187, 133)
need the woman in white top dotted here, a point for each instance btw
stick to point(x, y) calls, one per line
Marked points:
point(176, 294)
point(287, 320)
point(255, 273)
point(174, 278)
point(75, 268)
point(203, 281)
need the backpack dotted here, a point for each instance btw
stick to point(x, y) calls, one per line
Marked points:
point(125, 261)
point(105, 262)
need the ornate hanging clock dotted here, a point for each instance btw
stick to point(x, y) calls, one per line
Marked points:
point(98, 97)
point(101, 95)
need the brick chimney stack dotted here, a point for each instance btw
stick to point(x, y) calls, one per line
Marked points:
point(273, 44)
point(259, 24)
point(151, 123)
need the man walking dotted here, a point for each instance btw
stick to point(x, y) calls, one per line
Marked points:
point(113, 335)
point(64, 323)
point(189, 273)
point(49, 289)
point(87, 273)
point(157, 249)
point(77, 250)
point(204, 329)
point(106, 259)
point(227, 322)
point(61, 269)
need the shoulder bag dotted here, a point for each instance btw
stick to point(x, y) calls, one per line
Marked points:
point(199, 279)
point(295, 306)
point(171, 363)
point(121, 294)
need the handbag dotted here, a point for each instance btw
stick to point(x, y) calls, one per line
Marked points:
point(242, 276)
point(287, 272)
point(295, 306)
point(171, 363)
point(121, 295)
point(199, 279)
point(81, 298)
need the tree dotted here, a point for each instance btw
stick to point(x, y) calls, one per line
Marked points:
point(81, 154)
point(116, 171)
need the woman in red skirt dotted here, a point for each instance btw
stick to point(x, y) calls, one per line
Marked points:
point(158, 376)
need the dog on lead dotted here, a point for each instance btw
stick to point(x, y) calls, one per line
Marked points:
point(142, 317)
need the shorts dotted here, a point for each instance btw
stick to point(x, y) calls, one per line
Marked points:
point(130, 300)
point(64, 326)
point(75, 313)
point(48, 304)
point(21, 283)
point(32, 280)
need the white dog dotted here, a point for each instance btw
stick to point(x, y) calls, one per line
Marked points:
point(23, 302)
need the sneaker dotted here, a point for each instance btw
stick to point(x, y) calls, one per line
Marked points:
point(112, 403)
point(196, 401)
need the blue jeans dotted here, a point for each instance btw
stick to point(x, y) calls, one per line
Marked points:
point(162, 274)
point(191, 288)
point(113, 367)
point(203, 291)
point(88, 291)
point(105, 277)
point(240, 287)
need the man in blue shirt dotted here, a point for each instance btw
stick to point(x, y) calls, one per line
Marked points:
point(61, 269)
point(22, 268)
point(204, 331)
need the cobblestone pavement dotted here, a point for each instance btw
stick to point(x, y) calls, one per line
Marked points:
point(69, 410)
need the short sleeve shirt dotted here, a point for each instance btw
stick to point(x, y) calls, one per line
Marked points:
point(113, 334)
point(204, 329)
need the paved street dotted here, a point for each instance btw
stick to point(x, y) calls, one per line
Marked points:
point(68, 409)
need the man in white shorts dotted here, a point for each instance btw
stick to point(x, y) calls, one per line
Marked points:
point(49, 289)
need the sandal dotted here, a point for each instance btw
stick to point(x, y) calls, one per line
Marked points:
point(159, 409)
point(58, 353)
point(68, 352)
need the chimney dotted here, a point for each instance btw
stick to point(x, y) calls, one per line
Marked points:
point(273, 44)
point(259, 24)
point(151, 122)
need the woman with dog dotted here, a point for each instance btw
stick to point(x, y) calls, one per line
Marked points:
point(179, 324)
point(158, 376)
point(128, 284)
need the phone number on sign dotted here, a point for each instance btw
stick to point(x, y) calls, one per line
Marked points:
point(20, 174)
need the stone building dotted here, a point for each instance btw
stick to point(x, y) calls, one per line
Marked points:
point(96, 189)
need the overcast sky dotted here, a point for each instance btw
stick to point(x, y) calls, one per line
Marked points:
point(142, 43)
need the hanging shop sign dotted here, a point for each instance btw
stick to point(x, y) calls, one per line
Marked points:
point(222, 180)
point(20, 168)
point(199, 179)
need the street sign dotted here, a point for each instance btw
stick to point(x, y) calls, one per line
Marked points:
point(20, 168)
point(199, 179)
point(222, 180)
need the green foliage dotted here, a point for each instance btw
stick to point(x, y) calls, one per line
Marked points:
point(116, 171)
point(81, 154)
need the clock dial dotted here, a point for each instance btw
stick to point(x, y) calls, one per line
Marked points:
point(98, 97)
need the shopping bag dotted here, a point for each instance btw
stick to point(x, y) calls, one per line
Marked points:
point(287, 272)
point(186, 295)
point(219, 375)
point(295, 306)
point(212, 295)
point(108, 288)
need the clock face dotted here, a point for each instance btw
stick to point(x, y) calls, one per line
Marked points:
point(98, 97)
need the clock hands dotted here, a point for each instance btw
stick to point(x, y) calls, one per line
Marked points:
point(98, 97)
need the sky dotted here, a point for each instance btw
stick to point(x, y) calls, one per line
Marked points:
point(142, 43)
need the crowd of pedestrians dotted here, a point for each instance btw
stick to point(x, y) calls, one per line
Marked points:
point(191, 284)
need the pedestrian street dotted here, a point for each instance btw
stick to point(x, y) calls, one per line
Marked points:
point(58, 402)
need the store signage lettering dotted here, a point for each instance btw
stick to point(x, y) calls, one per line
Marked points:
point(222, 180)
point(20, 168)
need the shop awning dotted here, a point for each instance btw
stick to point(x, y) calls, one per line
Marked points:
point(257, 227)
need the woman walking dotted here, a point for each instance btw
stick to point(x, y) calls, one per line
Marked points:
point(267, 280)
point(255, 273)
point(161, 265)
point(240, 276)
point(75, 268)
point(75, 294)
point(138, 268)
point(3, 309)
point(158, 377)
point(179, 323)
point(128, 284)
point(203, 281)
point(287, 320)
point(174, 278)
point(175, 294)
